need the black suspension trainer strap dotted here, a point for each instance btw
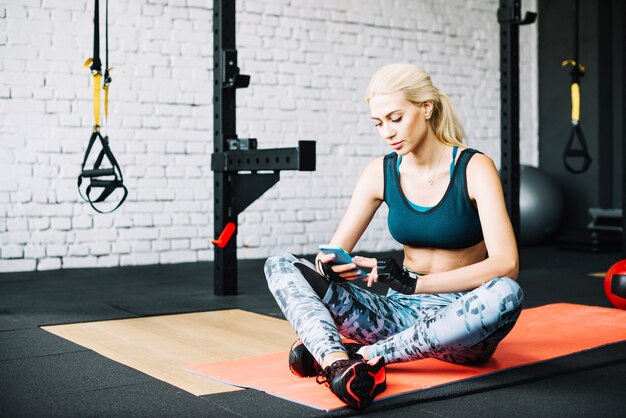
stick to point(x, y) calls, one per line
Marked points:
point(108, 179)
point(96, 65)
point(577, 73)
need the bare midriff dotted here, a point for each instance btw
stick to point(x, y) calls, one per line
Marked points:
point(436, 260)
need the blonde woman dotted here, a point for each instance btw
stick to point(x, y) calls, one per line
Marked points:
point(453, 298)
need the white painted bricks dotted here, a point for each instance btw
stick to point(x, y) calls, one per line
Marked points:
point(310, 63)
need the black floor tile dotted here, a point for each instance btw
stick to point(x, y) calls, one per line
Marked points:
point(8, 321)
point(33, 342)
point(52, 375)
point(255, 403)
point(60, 308)
point(152, 399)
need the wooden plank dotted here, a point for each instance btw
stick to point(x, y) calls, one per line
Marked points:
point(161, 346)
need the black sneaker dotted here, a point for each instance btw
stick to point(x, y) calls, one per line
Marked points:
point(355, 382)
point(302, 363)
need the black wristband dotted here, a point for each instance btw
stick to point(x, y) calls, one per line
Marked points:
point(327, 271)
point(397, 278)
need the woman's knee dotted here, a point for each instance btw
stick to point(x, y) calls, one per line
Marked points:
point(505, 287)
point(281, 263)
point(507, 290)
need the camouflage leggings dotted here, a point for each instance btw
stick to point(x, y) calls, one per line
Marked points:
point(463, 327)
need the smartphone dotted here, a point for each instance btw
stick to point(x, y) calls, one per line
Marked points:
point(341, 256)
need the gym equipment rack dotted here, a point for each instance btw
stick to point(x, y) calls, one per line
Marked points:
point(242, 173)
point(509, 18)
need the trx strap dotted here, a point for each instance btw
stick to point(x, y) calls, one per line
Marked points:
point(577, 72)
point(107, 179)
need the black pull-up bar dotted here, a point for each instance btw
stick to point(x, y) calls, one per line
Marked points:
point(241, 172)
point(509, 17)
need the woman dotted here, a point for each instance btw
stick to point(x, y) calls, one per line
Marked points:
point(454, 298)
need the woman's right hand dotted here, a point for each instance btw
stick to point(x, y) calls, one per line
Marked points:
point(337, 272)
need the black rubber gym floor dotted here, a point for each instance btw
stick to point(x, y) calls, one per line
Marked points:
point(44, 375)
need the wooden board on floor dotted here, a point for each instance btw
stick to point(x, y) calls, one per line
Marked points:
point(161, 346)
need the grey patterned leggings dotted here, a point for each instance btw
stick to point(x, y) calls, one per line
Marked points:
point(462, 328)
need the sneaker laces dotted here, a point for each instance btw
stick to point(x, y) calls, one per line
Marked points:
point(327, 374)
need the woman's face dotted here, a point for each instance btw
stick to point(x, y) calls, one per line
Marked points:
point(400, 122)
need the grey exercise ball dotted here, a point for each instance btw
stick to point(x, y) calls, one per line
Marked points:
point(541, 205)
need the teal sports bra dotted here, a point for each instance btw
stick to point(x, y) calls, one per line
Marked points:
point(452, 223)
point(425, 208)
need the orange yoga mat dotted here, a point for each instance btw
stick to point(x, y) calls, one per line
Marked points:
point(540, 334)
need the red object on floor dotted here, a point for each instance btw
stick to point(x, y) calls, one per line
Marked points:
point(540, 334)
point(615, 284)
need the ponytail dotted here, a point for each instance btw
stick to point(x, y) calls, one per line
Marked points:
point(445, 122)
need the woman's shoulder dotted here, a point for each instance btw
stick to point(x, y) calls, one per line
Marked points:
point(480, 167)
point(375, 162)
point(370, 184)
point(374, 170)
point(469, 150)
point(375, 165)
point(475, 156)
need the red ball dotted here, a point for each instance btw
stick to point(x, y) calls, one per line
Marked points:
point(615, 284)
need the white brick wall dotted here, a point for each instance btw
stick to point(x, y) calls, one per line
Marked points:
point(309, 62)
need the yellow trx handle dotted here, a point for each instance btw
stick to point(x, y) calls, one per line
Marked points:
point(575, 89)
point(97, 81)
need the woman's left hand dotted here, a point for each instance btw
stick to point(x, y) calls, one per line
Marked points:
point(369, 263)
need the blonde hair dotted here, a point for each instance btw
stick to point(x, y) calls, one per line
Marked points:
point(415, 84)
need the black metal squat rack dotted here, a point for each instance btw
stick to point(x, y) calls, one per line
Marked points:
point(509, 17)
point(242, 173)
